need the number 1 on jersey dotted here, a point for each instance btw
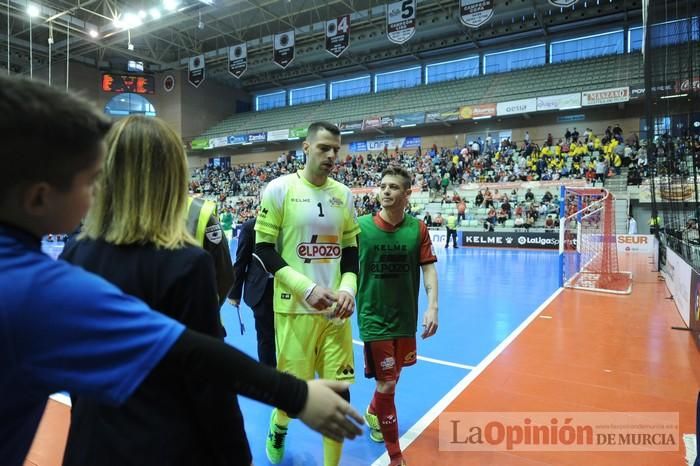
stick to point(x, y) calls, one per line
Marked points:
point(320, 210)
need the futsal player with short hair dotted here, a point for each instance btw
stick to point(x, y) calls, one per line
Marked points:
point(306, 234)
point(394, 248)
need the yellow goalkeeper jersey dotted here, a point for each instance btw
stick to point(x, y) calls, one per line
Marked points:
point(311, 224)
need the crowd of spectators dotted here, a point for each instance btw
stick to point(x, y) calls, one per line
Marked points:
point(436, 170)
point(236, 189)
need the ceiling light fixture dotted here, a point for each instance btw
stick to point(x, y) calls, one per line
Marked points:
point(170, 5)
point(132, 20)
point(33, 10)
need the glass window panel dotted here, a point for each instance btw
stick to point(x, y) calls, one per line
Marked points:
point(350, 87)
point(308, 94)
point(609, 43)
point(455, 69)
point(509, 60)
point(674, 32)
point(271, 100)
point(410, 77)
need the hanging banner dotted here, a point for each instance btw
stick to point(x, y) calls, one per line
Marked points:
point(338, 35)
point(238, 59)
point(359, 146)
point(637, 91)
point(299, 132)
point(387, 122)
point(685, 85)
point(410, 142)
point(606, 96)
point(465, 112)
point(468, 112)
point(380, 144)
point(667, 191)
point(198, 144)
point(401, 21)
point(515, 107)
point(237, 139)
point(563, 3)
point(195, 70)
point(484, 110)
point(350, 125)
point(417, 118)
point(435, 117)
point(218, 142)
point(559, 102)
point(257, 137)
point(475, 13)
point(283, 48)
point(372, 122)
point(449, 115)
point(278, 135)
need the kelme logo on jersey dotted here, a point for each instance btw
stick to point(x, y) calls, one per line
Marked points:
point(321, 249)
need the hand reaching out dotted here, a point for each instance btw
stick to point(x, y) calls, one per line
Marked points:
point(326, 412)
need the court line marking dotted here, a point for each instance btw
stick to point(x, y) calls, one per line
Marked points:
point(427, 359)
point(432, 414)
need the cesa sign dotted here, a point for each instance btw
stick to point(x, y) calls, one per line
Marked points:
point(515, 107)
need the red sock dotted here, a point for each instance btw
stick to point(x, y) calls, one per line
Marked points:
point(386, 412)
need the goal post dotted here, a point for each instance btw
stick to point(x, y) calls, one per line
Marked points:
point(588, 242)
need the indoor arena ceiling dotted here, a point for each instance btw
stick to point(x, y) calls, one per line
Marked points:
point(168, 37)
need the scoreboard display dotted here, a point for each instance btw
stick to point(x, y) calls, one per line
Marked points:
point(137, 84)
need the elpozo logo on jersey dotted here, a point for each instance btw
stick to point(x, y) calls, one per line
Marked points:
point(322, 249)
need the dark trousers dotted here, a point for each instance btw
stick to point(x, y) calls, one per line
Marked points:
point(265, 330)
point(451, 233)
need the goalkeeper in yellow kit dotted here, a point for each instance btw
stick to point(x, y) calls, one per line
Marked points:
point(306, 235)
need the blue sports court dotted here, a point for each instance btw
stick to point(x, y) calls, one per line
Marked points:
point(484, 295)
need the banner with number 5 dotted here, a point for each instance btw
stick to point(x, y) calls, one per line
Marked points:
point(401, 21)
point(338, 35)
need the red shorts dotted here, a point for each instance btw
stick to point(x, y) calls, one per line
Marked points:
point(384, 359)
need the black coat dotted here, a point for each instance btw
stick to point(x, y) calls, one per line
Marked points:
point(163, 423)
point(249, 270)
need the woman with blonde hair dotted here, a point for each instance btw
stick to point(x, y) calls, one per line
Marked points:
point(135, 237)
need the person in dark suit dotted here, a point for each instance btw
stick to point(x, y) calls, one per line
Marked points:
point(257, 294)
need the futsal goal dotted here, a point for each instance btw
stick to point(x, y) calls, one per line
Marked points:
point(588, 243)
